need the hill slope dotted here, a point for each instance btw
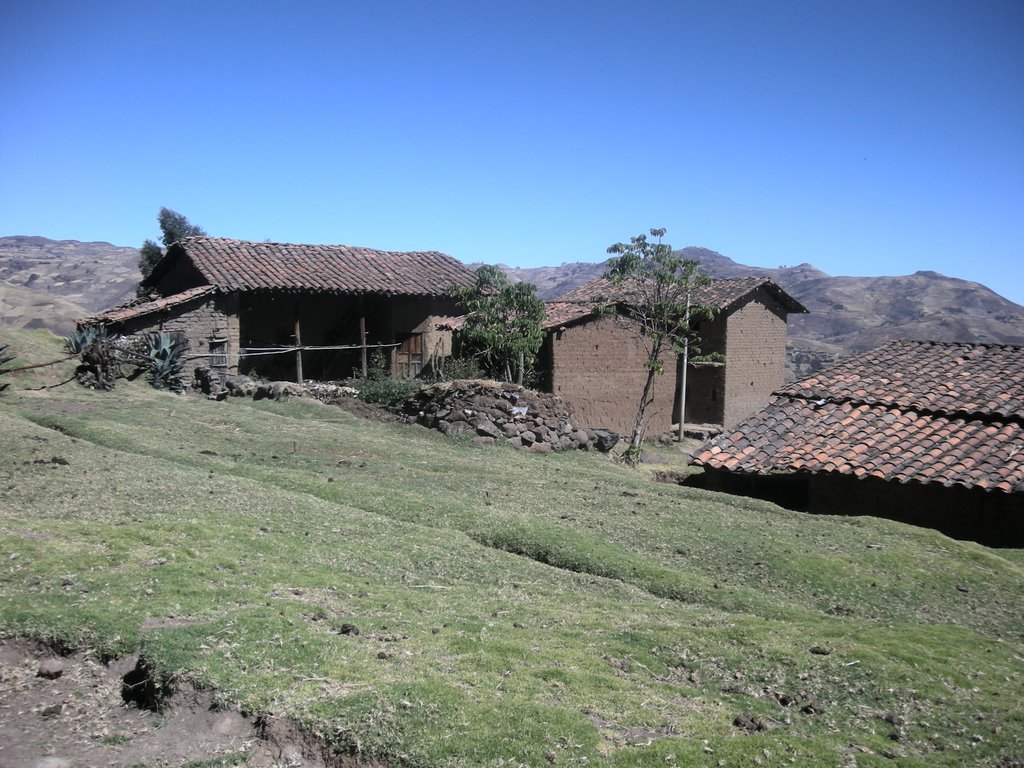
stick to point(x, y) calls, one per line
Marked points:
point(92, 275)
point(420, 600)
point(24, 308)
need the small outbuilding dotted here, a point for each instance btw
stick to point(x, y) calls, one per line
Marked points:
point(284, 310)
point(926, 432)
point(596, 360)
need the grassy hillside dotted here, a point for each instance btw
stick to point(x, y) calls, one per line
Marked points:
point(511, 608)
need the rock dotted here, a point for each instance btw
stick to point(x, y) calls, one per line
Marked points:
point(515, 442)
point(456, 428)
point(50, 668)
point(604, 439)
point(527, 438)
point(240, 386)
point(749, 723)
point(486, 428)
point(280, 389)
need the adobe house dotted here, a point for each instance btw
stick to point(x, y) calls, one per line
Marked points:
point(282, 310)
point(596, 361)
point(925, 432)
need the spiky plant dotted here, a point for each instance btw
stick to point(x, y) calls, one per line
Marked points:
point(165, 360)
point(84, 337)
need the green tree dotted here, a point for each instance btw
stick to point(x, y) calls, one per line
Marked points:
point(503, 328)
point(656, 289)
point(173, 227)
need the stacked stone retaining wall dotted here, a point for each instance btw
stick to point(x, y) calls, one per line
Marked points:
point(495, 412)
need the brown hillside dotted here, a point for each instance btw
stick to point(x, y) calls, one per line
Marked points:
point(24, 308)
point(93, 275)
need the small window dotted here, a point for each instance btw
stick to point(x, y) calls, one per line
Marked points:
point(219, 355)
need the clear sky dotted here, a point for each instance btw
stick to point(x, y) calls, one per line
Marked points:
point(866, 137)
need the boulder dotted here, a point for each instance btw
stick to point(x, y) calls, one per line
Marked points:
point(485, 428)
point(277, 389)
point(240, 386)
point(455, 428)
point(604, 439)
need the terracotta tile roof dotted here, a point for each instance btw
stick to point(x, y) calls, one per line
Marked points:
point(140, 307)
point(987, 379)
point(929, 412)
point(580, 301)
point(720, 293)
point(558, 313)
point(238, 265)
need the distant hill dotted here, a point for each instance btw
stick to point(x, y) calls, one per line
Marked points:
point(847, 314)
point(93, 275)
point(24, 308)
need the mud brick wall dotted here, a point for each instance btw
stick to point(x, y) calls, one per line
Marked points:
point(598, 367)
point(755, 357)
point(200, 321)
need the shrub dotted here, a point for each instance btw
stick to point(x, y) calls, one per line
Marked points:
point(387, 391)
point(454, 369)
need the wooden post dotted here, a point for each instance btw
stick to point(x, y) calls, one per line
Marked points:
point(362, 334)
point(686, 365)
point(298, 343)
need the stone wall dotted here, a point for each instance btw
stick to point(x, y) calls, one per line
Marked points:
point(494, 412)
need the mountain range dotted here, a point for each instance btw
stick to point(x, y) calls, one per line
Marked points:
point(846, 314)
point(52, 283)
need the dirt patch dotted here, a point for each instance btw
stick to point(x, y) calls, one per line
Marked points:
point(73, 711)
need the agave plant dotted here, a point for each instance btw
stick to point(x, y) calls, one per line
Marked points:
point(165, 360)
point(83, 338)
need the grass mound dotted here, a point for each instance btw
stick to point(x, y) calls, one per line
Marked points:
point(415, 599)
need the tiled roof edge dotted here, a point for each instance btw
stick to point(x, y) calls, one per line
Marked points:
point(987, 417)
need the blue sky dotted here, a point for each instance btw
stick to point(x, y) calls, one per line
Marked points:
point(863, 137)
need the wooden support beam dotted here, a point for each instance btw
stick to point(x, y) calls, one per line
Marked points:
point(298, 343)
point(362, 334)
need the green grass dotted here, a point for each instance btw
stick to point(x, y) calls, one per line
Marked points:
point(512, 608)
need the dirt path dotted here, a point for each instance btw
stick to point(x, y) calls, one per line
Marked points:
point(70, 712)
